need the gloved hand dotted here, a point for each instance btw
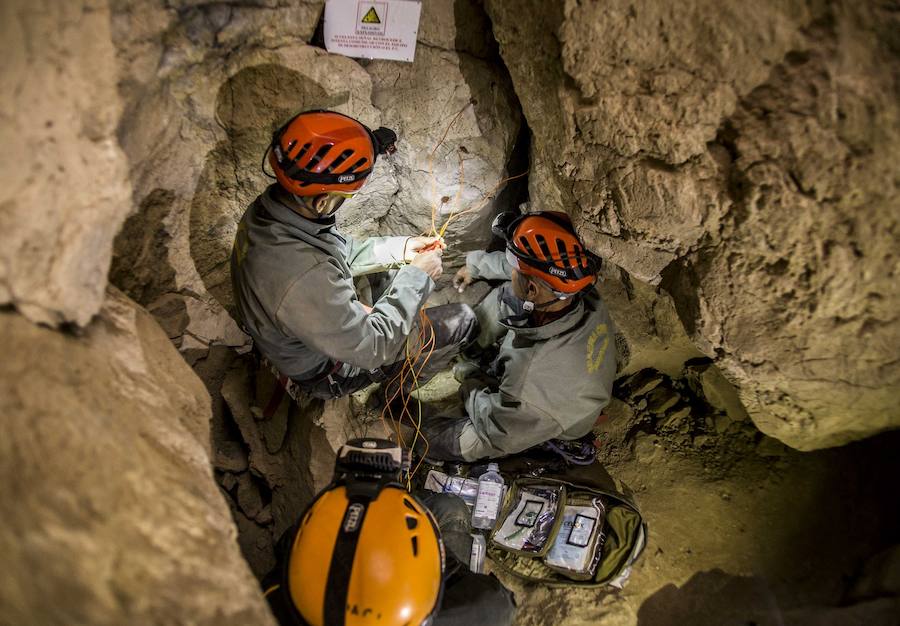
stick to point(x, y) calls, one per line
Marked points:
point(418, 245)
point(462, 279)
point(430, 263)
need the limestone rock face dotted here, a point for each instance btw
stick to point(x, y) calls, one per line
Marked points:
point(649, 333)
point(109, 500)
point(205, 87)
point(200, 116)
point(472, 107)
point(63, 186)
point(275, 454)
point(745, 157)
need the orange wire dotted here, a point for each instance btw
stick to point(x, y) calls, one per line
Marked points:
point(414, 355)
point(417, 423)
point(409, 370)
point(434, 205)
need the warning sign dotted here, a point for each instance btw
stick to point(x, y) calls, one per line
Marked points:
point(371, 17)
point(381, 29)
point(370, 23)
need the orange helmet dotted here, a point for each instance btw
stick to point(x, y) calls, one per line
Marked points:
point(544, 245)
point(318, 152)
point(367, 552)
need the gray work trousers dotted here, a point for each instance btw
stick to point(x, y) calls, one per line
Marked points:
point(469, 599)
point(455, 326)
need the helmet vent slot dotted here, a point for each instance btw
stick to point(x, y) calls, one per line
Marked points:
point(578, 257)
point(563, 253)
point(415, 545)
point(343, 156)
point(318, 156)
point(359, 165)
point(411, 522)
point(542, 244)
point(379, 461)
point(409, 505)
point(302, 152)
point(527, 247)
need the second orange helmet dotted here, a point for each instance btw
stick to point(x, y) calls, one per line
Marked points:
point(544, 245)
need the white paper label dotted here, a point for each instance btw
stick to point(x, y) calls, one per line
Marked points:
point(572, 547)
point(380, 29)
point(488, 500)
point(580, 532)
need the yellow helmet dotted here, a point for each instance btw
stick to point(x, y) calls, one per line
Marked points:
point(366, 551)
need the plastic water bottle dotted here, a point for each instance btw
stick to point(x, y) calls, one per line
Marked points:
point(487, 502)
point(476, 558)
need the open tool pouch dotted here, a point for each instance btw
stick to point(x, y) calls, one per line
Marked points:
point(596, 536)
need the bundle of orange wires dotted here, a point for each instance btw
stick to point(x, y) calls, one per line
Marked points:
point(419, 348)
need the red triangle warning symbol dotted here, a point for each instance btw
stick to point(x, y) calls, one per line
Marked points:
point(371, 17)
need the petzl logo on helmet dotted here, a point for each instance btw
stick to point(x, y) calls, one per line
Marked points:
point(346, 178)
point(558, 272)
point(353, 517)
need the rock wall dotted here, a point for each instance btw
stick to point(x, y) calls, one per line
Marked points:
point(110, 512)
point(649, 332)
point(271, 457)
point(745, 157)
point(204, 85)
point(63, 182)
point(200, 110)
point(473, 108)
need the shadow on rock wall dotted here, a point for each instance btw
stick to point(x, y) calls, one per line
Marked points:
point(148, 275)
point(249, 107)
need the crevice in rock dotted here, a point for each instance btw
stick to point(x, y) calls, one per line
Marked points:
point(680, 280)
point(515, 193)
point(318, 38)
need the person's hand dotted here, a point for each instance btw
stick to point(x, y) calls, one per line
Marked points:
point(462, 279)
point(430, 263)
point(417, 245)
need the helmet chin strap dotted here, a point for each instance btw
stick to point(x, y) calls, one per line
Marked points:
point(526, 308)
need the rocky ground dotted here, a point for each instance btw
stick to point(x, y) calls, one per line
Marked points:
point(742, 529)
point(735, 164)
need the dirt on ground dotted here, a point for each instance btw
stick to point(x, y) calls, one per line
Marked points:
point(742, 529)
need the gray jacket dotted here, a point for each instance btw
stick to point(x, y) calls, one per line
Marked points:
point(293, 288)
point(555, 379)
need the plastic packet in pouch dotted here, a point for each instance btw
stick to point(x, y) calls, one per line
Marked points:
point(528, 525)
point(577, 544)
